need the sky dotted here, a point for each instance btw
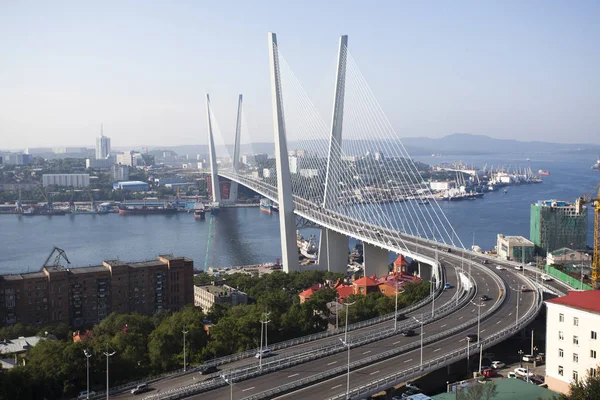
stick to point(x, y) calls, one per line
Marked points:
point(524, 70)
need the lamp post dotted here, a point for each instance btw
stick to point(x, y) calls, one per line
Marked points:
point(87, 356)
point(518, 291)
point(184, 333)
point(396, 310)
point(263, 325)
point(230, 383)
point(337, 306)
point(433, 284)
point(345, 342)
point(468, 355)
point(521, 358)
point(421, 322)
point(478, 317)
point(107, 354)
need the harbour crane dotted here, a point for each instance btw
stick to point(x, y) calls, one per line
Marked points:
point(594, 198)
point(56, 263)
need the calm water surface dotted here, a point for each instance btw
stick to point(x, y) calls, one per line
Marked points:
point(240, 236)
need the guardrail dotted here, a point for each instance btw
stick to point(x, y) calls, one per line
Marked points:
point(449, 358)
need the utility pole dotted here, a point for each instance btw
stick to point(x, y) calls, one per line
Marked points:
point(87, 356)
point(337, 306)
point(421, 322)
point(396, 311)
point(263, 326)
point(532, 343)
point(480, 356)
point(478, 317)
point(345, 342)
point(184, 333)
point(107, 354)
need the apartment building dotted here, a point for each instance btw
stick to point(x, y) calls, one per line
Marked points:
point(205, 296)
point(572, 345)
point(83, 296)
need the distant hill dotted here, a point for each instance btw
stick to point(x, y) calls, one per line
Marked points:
point(457, 143)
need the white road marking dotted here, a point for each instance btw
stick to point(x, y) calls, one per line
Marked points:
point(498, 322)
point(335, 387)
point(397, 342)
point(367, 352)
point(437, 349)
point(331, 363)
point(509, 314)
point(409, 360)
point(483, 330)
point(443, 325)
point(293, 375)
point(250, 388)
point(373, 373)
point(460, 317)
point(461, 340)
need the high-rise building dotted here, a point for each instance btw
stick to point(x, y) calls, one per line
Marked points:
point(120, 172)
point(102, 145)
point(555, 224)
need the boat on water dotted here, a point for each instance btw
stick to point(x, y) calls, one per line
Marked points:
point(43, 211)
point(308, 247)
point(505, 191)
point(146, 209)
point(423, 202)
point(542, 172)
point(266, 205)
point(199, 211)
point(597, 165)
point(215, 207)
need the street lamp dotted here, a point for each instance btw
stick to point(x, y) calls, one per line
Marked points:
point(521, 358)
point(87, 356)
point(230, 383)
point(433, 285)
point(478, 317)
point(421, 322)
point(263, 324)
point(518, 291)
point(345, 342)
point(184, 333)
point(107, 354)
point(396, 310)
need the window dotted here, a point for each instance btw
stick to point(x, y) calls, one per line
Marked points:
point(560, 370)
point(575, 376)
point(593, 372)
point(561, 317)
point(576, 340)
point(594, 335)
point(561, 353)
point(592, 353)
point(561, 336)
point(575, 357)
point(575, 321)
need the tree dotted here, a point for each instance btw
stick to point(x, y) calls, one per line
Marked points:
point(584, 389)
point(477, 391)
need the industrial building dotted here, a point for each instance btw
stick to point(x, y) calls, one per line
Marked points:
point(515, 248)
point(555, 224)
point(572, 346)
point(85, 295)
point(132, 186)
point(66, 180)
point(205, 296)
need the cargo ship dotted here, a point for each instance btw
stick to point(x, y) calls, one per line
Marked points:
point(146, 209)
point(199, 212)
point(308, 248)
point(266, 205)
point(43, 211)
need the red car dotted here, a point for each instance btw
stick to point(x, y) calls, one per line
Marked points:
point(489, 372)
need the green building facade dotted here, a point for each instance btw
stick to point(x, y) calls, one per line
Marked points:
point(557, 224)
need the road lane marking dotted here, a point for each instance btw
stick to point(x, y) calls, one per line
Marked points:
point(250, 388)
point(335, 387)
point(509, 314)
point(331, 363)
point(293, 375)
point(437, 349)
point(367, 352)
point(473, 310)
point(373, 373)
point(498, 322)
point(460, 317)
point(409, 360)
point(443, 325)
point(483, 330)
point(397, 342)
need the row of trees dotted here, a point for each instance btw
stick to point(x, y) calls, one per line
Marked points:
point(147, 346)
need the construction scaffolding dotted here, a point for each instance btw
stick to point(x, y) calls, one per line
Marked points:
point(557, 224)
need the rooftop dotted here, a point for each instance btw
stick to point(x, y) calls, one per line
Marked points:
point(509, 389)
point(518, 240)
point(223, 290)
point(588, 300)
point(365, 281)
point(20, 344)
point(85, 270)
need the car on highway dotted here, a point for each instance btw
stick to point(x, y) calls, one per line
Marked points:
point(207, 370)
point(484, 298)
point(523, 372)
point(408, 332)
point(528, 358)
point(447, 286)
point(525, 289)
point(471, 337)
point(518, 268)
point(263, 352)
point(485, 261)
point(141, 388)
point(400, 317)
point(500, 268)
point(536, 380)
point(497, 364)
point(84, 394)
point(546, 278)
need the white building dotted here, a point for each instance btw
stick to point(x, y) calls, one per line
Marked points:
point(66, 180)
point(309, 173)
point(515, 248)
point(269, 173)
point(293, 160)
point(102, 146)
point(120, 172)
point(441, 186)
point(572, 345)
point(130, 158)
point(206, 296)
point(99, 163)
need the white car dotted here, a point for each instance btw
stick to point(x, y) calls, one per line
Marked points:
point(518, 267)
point(528, 358)
point(546, 278)
point(523, 372)
point(497, 364)
point(265, 353)
point(500, 268)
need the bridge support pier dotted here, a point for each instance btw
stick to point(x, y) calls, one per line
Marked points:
point(333, 251)
point(376, 260)
point(233, 191)
point(212, 156)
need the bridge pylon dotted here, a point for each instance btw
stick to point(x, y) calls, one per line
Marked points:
point(287, 219)
point(212, 156)
point(233, 191)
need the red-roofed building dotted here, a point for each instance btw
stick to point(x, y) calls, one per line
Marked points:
point(400, 265)
point(344, 291)
point(572, 338)
point(365, 285)
point(305, 295)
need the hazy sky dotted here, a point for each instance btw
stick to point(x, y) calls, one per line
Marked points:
point(509, 69)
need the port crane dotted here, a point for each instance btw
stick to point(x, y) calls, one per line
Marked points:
point(56, 263)
point(594, 198)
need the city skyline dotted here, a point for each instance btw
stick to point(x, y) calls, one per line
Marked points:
point(509, 71)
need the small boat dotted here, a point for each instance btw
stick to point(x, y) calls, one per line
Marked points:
point(423, 202)
point(542, 172)
point(199, 212)
point(597, 165)
point(505, 191)
point(215, 207)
